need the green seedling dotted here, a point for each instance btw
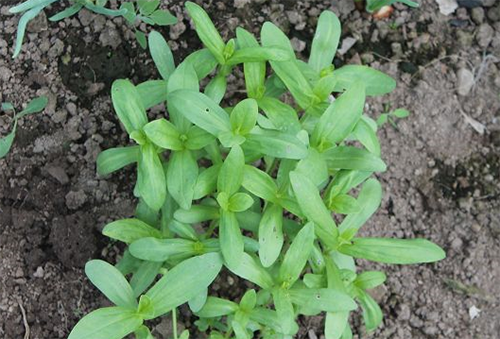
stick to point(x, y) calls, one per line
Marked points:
point(255, 189)
point(146, 11)
point(392, 116)
point(34, 106)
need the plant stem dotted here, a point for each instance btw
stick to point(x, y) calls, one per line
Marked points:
point(174, 322)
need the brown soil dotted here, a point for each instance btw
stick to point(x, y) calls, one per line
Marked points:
point(442, 182)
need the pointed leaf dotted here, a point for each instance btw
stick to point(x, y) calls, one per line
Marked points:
point(130, 230)
point(107, 323)
point(394, 251)
point(128, 105)
point(111, 283)
point(325, 41)
point(161, 54)
point(184, 282)
point(181, 177)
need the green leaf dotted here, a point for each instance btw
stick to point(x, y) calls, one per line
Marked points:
point(216, 88)
point(370, 279)
point(35, 8)
point(255, 72)
point(106, 11)
point(369, 201)
point(113, 159)
point(146, 7)
point(199, 301)
point(198, 138)
point(144, 276)
point(160, 250)
point(203, 62)
point(141, 39)
point(184, 77)
point(375, 82)
point(282, 116)
point(325, 41)
point(340, 118)
point(324, 299)
point(231, 240)
point(251, 270)
point(152, 92)
point(183, 230)
point(111, 283)
point(34, 106)
point(248, 301)
point(288, 71)
point(163, 17)
point(335, 324)
point(130, 230)
point(257, 54)
point(206, 31)
point(372, 314)
point(6, 142)
point(344, 204)
point(27, 5)
point(153, 188)
point(271, 234)
point(240, 202)
point(130, 14)
point(367, 136)
point(297, 255)
point(184, 282)
point(128, 105)
point(276, 144)
point(394, 251)
point(231, 172)
point(143, 333)
point(217, 307)
point(259, 183)
point(181, 177)
point(314, 209)
point(161, 54)
point(200, 110)
point(285, 311)
point(107, 323)
point(206, 182)
point(323, 88)
point(401, 113)
point(317, 161)
point(346, 157)
point(196, 214)
point(164, 134)
point(244, 116)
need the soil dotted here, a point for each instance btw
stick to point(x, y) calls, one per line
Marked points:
point(442, 181)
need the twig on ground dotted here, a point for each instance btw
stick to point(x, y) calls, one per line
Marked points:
point(25, 320)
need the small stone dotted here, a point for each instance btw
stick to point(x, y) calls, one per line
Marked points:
point(470, 3)
point(347, 43)
point(404, 312)
point(39, 273)
point(110, 37)
point(494, 13)
point(456, 244)
point(484, 35)
point(5, 74)
point(446, 7)
point(465, 80)
point(241, 3)
point(75, 200)
point(297, 44)
point(489, 3)
point(38, 24)
point(19, 273)
point(56, 49)
point(85, 17)
point(58, 173)
point(71, 107)
point(477, 15)
point(464, 38)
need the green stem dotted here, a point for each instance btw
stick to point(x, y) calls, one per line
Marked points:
point(174, 322)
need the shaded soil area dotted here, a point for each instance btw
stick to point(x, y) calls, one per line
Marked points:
point(443, 161)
